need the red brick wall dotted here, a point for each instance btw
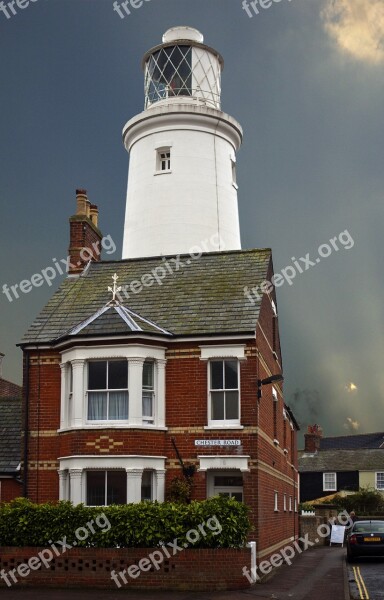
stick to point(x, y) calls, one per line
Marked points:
point(197, 570)
point(10, 489)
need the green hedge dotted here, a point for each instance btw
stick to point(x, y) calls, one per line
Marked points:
point(143, 525)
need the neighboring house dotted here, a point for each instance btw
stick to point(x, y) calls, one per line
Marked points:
point(341, 463)
point(133, 381)
point(10, 438)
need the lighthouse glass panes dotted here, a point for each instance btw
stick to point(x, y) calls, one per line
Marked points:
point(181, 70)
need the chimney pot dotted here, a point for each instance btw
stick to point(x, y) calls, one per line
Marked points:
point(82, 199)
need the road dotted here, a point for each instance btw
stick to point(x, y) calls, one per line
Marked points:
point(366, 579)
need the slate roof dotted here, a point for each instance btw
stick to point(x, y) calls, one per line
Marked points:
point(342, 460)
point(204, 296)
point(353, 442)
point(10, 435)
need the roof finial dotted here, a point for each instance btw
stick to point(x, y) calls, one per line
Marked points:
point(115, 289)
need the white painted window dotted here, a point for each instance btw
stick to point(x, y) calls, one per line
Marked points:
point(107, 393)
point(163, 160)
point(224, 392)
point(121, 385)
point(285, 502)
point(148, 391)
point(106, 487)
point(290, 503)
point(147, 485)
point(100, 480)
point(329, 482)
point(295, 505)
point(276, 499)
point(225, 483)
point(380, 481)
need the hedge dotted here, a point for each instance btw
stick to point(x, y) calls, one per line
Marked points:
point(142, 525)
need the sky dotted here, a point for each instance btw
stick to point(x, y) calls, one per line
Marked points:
point(304, 78)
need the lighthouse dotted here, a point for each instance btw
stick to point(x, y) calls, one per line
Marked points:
point(182, 187)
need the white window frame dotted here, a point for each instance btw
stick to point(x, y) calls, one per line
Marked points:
point(290, 503)
point(107, 390)
point(276, 501)
point(327, 487)
point(150, 419)
point(106, 471)
point(151, 474)
point(73, 472)
point(285, 503)
point(136, 355)
point(212, 489)
point(222, 423)
point(381, 474)
point(163, 160)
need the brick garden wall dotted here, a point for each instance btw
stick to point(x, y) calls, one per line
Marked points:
point(196, 570)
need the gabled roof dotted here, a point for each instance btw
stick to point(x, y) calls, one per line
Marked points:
point(341, 460)
point(195, 296)
point(353, 442)
point(10, 435)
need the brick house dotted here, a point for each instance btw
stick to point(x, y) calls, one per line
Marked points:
point(10, 432)
point(340, 463)
point(157, 366)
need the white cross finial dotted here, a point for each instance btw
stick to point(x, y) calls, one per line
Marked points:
point(115, 289)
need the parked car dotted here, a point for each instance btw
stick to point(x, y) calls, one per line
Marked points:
point(365, 538)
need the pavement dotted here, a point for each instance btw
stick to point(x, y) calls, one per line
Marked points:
point(317, 574)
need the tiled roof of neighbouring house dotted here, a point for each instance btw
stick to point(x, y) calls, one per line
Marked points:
point(353, 442)
point(10, 434)
point(204, 296)
point(9, 389)
point(342, 460)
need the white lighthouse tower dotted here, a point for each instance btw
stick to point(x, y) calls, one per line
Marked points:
point(182, 190)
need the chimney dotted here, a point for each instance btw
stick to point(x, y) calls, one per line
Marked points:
point(312, 438)
point(85, 236)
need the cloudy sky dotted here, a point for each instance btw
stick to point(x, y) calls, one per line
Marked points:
point(304, 78)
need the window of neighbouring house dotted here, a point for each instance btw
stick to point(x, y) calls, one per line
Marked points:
point(148, 391)
point(329, 482)
point(380, 481)
point(108, 390)
point(106, 487)
point(224, 392)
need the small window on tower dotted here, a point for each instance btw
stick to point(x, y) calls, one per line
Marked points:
point(163, 161)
